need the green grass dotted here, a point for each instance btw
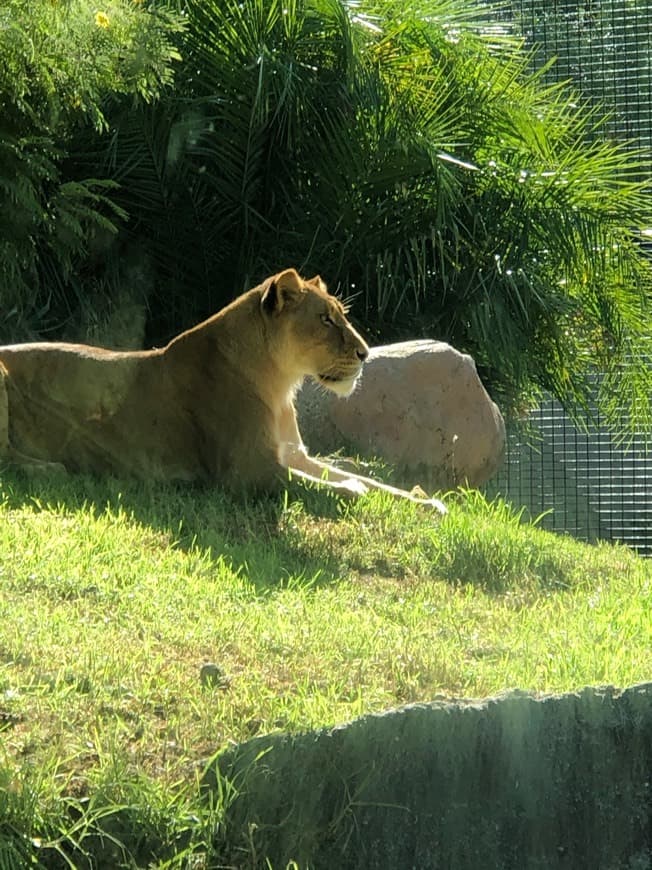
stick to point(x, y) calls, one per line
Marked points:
point(114, 595)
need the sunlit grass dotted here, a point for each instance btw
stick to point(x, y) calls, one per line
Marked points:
point(114, 596)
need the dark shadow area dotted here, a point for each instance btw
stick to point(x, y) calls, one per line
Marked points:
point(248, 532)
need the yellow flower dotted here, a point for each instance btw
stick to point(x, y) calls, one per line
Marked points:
point(102, 19)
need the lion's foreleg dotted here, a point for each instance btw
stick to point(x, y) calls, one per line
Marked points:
point(416, 496)
point(327, 475)
point(299, 464)
point(346, 486)
point(293, 455)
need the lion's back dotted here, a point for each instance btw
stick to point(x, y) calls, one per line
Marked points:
point(88, 408)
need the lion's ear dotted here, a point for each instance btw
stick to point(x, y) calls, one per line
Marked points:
point(318, 283)
point(284, 289)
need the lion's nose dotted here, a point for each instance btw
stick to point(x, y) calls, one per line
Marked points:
point(363, 353)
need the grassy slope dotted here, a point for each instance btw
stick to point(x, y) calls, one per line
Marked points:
point(113, 597)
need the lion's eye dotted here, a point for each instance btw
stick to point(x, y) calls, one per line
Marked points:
point(327, 320)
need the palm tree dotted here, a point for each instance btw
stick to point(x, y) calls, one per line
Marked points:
point(404, 152)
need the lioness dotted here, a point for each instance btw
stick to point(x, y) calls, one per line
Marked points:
point(217, 403)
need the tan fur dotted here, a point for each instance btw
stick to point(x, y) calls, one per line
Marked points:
point(217, 403)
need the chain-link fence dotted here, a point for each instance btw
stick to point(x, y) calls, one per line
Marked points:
point(604, 48)
point(585, 482)
point(593, 486)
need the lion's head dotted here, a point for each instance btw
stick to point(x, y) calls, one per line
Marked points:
point(312, 331)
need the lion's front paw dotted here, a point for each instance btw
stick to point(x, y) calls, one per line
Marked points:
point(437, 505)
point(352, 487)
point(422, 498)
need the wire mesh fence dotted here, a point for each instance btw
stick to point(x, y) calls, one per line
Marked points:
point(586, 482)
point(604, 49)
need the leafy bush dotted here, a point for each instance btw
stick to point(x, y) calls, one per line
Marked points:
point(403, 151)
point(60, 61)
point(406, 154)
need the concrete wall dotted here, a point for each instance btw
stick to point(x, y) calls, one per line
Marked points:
point(510, 782)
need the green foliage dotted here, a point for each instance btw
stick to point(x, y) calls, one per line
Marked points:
point(404, 152)
point(60, 62)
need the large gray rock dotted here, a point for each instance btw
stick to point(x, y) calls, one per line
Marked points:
point(420, 406)
point(517, 782)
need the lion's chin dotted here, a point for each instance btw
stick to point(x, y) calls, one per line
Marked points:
point(339, 386)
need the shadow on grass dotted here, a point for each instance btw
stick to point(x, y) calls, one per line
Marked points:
point(247, 531)
point(306, 537)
